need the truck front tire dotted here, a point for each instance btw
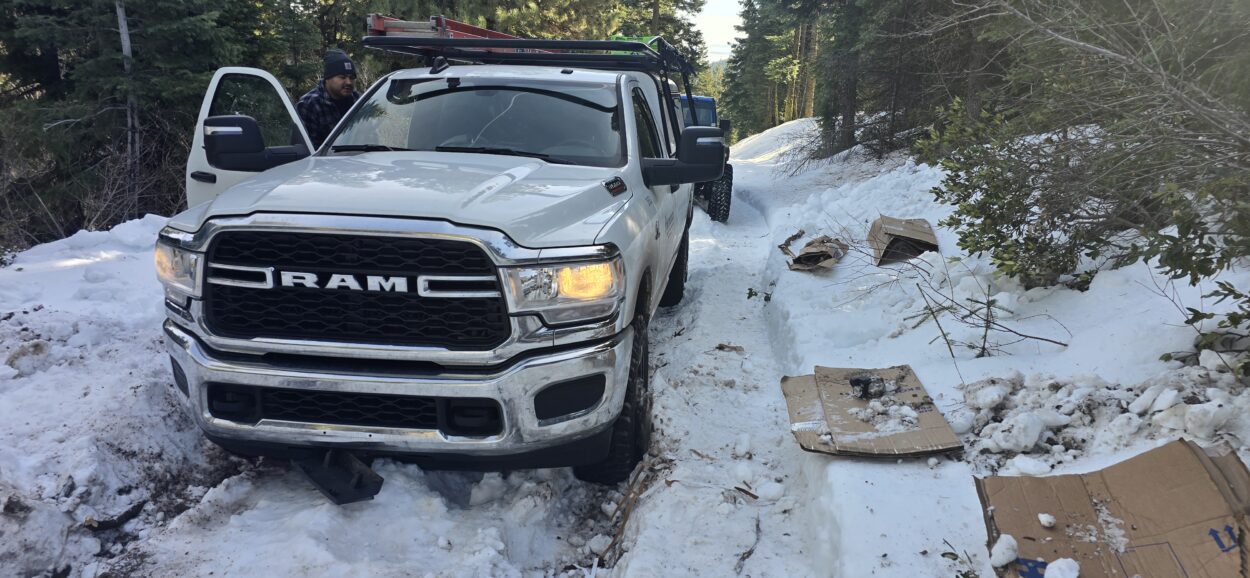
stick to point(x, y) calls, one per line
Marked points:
point(631, 432)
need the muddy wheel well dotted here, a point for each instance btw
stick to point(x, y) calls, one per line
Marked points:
point(643, 301)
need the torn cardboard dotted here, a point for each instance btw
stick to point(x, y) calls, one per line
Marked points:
point(1177, 511)
point(785, 245)
point(823, 415)
point(823, 252)
point(894, 239)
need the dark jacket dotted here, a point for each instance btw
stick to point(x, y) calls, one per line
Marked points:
point(320, 113)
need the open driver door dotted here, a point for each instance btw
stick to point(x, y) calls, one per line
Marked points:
point(246, 125)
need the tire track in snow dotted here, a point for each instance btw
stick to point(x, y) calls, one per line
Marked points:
point(721, 423)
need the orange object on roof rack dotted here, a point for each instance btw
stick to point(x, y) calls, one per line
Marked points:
point(435, 27)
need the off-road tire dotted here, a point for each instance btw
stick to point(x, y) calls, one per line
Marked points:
point(631, 433)
point(720, 194)
point(676, 287)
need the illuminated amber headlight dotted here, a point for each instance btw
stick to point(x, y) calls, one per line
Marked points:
point(178, 269)
point(567, 292)
point(585, 282)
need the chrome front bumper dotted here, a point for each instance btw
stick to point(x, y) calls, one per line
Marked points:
point(514, 388)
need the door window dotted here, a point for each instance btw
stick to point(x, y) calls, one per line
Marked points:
point(255, 97)
point(648, 136)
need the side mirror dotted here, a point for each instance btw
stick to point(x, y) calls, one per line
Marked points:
point(234, 143)
point(726, 126)
point(700, 158)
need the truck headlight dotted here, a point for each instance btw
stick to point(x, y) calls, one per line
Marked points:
point(178, 269)
point(567, 292)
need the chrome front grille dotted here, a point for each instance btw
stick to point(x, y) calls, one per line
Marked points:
point(403, 291)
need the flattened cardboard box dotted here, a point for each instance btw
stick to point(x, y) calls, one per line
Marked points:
point(1177, 511)
point(894, 239)
point(820, 415)
point(823, 252)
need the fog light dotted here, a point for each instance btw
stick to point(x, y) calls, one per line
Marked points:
point(234, 402)
point(568, 398)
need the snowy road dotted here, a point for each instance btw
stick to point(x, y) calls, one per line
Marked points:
point(95, 434)
point(102, 473)
point(726, 492)
point(721, 508)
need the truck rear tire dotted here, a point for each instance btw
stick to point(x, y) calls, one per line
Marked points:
point(719, 195)
point(631, 432)
point(676, 287)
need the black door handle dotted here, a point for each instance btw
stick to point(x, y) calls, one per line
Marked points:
point(204, 177)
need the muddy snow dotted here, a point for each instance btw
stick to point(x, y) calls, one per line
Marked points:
point(101, 472)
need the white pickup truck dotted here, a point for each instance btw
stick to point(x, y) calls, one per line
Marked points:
point(462, 274)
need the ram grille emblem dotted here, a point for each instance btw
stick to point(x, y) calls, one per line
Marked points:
point(345, 281)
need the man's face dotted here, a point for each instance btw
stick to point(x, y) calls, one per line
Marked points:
point(340, 86)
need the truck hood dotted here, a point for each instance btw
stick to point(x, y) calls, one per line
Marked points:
point(535, 203)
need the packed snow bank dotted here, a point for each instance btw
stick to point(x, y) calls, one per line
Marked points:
point(436, 523)
point(93, 445)
point(778, 144)
point(1103, 395)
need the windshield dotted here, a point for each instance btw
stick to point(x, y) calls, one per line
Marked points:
point(560, 122)
point(705, 110)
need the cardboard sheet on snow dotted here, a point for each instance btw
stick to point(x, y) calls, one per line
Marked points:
point(894, 239)
point(1177, 511)
point(822, 415)
point(823, 252)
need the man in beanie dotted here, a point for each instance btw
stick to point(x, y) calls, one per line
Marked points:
point(322, 107)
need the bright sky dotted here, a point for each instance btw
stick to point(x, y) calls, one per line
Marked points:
point(717, 21)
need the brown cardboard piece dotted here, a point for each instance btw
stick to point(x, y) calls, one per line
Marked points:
point(823, 252)
point(894, 239)
point(821, 410)
point(1177, 511)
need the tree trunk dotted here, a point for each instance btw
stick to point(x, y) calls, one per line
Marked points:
point(132, 115)
point(848, 74)
point(805, 83)
point(977, 82)
point(848, 102)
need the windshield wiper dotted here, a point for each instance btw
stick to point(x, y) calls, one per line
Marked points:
point(502, 151)
point(368, 148)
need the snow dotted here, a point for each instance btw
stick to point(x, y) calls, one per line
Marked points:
point(1004, 551)
point(743, 447)
point(92, 429)
point(772, 491)
point(1063, 568)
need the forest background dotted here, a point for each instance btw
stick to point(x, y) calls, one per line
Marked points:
point(1076, 135)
